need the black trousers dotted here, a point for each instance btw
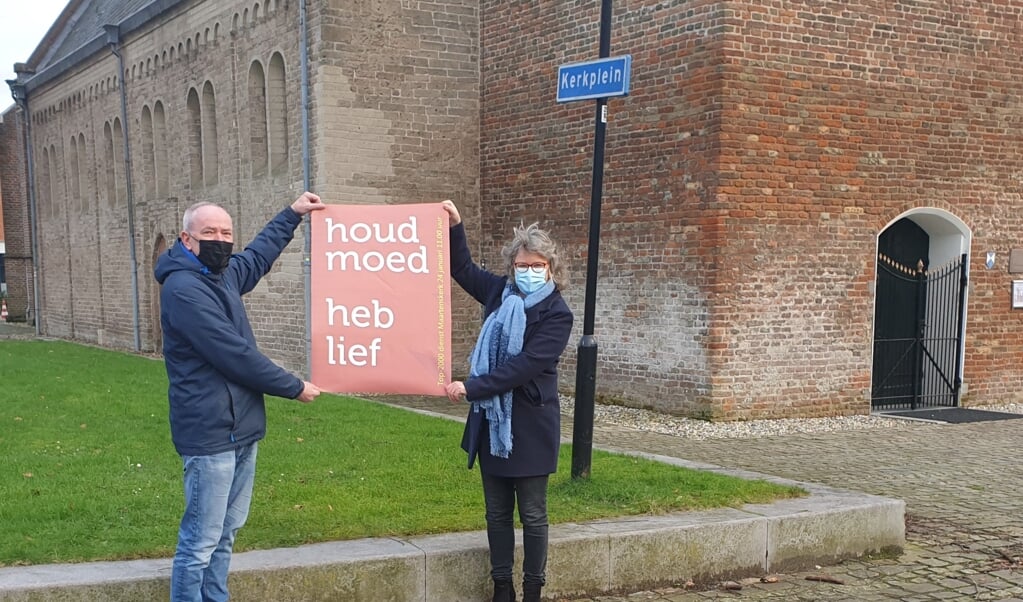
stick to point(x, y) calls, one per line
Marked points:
point(500, 494)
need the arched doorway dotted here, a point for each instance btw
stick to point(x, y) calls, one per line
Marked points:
point(920, 311)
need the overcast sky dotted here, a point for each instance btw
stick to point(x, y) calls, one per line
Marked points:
point(23, 23)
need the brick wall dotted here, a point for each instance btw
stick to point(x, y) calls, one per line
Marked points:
point(764, 147)
point(655, 286)
point(394, 119)
point(1, 207)
point(397, 119)
point(17, 241)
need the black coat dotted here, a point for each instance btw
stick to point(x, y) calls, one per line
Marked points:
point(532, 376)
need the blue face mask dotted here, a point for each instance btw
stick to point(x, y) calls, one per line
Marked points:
point(530, 282)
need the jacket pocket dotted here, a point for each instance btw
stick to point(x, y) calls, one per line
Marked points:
point(531, 393)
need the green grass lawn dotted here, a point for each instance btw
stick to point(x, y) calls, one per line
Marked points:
point(89, 472)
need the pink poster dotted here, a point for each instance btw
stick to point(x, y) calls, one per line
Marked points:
point(379, 299)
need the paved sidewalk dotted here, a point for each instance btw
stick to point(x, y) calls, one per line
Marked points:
point(16, 330)
point(963, 486)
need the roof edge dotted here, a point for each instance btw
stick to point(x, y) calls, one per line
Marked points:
point(132, 23)
point(56, 29)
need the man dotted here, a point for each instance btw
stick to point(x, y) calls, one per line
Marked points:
point(217, 381)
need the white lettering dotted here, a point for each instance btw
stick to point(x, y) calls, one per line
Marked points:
point(359, 232)
point(382, 311)
point(355, 230)
point(598, 75)
point(413, 232)
point(358, 316)
point(374, 261)
point(395, 261)
point(343, 255)
point(355, 355)
point(332, 309)
point(331, 226)
point(421, 256)
point(375, 256)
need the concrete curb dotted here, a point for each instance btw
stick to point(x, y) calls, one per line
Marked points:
point(593, 557)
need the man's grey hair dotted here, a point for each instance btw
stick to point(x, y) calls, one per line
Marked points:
point(534, 240)
point(186, 221)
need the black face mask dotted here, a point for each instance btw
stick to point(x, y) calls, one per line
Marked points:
point(215, 254)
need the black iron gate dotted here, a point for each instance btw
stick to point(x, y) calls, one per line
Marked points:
point(918, 334)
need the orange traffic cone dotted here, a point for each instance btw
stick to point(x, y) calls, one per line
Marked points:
point(3, 310)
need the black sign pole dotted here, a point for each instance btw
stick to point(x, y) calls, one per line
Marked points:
point(586, 363)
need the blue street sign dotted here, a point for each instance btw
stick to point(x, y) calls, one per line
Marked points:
point(595, 79)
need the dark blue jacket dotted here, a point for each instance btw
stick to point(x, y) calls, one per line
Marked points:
point(531, 376)
point(217, 375)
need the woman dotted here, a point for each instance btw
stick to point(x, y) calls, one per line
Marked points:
point(514, 423)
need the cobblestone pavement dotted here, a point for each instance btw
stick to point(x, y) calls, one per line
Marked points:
point(962, 484)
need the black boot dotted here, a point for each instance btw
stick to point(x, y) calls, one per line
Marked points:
point(531, 592)
point(504, 591)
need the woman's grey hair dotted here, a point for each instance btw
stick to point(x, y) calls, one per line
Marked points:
point(534, 240)
point(186, 221)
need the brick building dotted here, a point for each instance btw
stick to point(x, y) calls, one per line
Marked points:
point(17, 243)
point(777, 171)
point(765, 149)
point(202, 100)
point(3, 247)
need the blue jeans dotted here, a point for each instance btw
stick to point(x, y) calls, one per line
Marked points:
point(500, 493)
point(218, 490)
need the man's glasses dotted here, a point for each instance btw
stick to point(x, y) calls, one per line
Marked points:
point(538, 267)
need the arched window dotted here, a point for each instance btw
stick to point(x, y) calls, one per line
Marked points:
point(195, 138)
point(148, 153)
point(257, 119)
point(277, 113)
point(118, 135)
point(57, 199)
point(83, 179)
point(108, 162)
point(160, 149)
point(210, 158)
point(43, 184)
point(75, 182)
